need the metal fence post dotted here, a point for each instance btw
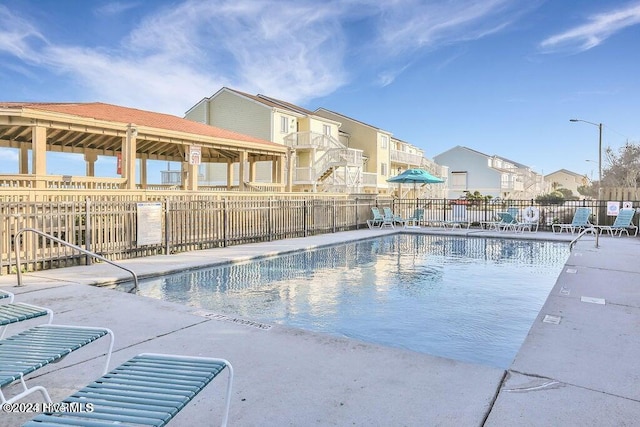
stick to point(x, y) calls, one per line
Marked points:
point(304, 217)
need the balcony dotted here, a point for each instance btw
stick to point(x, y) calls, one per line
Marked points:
point(409, 159)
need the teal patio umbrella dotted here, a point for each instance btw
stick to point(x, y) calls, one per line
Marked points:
point(416, 176)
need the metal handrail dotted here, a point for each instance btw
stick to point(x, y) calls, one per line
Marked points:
point(16, 242)
point(592, 229)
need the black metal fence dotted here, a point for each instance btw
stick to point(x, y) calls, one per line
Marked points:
point(484, 211)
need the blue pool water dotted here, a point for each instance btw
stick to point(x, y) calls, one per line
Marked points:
point(469, 299)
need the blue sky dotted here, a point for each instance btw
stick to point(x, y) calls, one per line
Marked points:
point(500, 76)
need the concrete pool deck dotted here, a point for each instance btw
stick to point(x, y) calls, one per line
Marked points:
point(579, 367)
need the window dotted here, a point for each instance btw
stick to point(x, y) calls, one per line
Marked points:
point(326, 129)
point(384, 141)
point(383, 169)
point(284, 124)
point(459, 180)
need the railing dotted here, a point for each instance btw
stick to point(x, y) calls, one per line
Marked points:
point(592, 230)
point(60, 182)
point(311, 140)
point(413, 160)
point(20, 232)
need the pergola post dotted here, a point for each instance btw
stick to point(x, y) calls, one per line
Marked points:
point(275, 170)
point(252, 170)
point(90, 157)
point(290, 159)
point(129, 157)
point(143, 170)
point(191, 176)
point(23, 159)
point(229, 174)
point(242, 165)
point(39, 154)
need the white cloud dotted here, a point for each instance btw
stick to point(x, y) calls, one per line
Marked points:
point(597, 30)
point(115, 8)
point(17, 35)
point(294, 49)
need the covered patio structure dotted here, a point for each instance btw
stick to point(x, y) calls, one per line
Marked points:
point(133, 137)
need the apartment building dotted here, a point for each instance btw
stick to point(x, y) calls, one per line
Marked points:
point(492, 175)
point(328, 151)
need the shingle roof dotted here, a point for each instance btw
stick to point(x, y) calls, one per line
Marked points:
point(273, 102)
point(125, 115)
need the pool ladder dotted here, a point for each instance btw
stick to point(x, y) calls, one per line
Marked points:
point(16, 242)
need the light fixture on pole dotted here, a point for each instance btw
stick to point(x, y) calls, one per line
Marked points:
point(599, 125)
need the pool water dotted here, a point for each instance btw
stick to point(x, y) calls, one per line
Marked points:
point(469, 299)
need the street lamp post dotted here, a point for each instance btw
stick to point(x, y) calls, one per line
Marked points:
point(599, 125)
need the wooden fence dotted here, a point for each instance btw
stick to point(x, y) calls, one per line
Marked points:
point(112, 228)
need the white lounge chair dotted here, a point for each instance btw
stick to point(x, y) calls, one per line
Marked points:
point(580, 221)
point(622, 223)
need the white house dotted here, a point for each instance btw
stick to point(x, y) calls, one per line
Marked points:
point(491, 175)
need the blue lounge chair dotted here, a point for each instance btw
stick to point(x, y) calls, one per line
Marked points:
point(415, 219)
point(508, 222)
point(6, 295)
point(30, 350)
point(579, 222)
point(378, 219)
point(148, 390)
point(623, 222)
point(394, 219)
point(18, 312)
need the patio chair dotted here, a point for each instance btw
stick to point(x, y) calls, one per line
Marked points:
point(458, 217)
point(415, 219)
point(623, 222)
point(580, 221)
point(508, 222)
point(148, 390)
point(390, 216)
point(377, 219)
point(37, 347)
point(18, 312)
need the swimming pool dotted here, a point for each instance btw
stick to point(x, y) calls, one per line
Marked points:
point(469, 299)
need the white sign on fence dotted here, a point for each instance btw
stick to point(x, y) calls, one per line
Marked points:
point(149, 217)
point(613, 208)
point(627, 205)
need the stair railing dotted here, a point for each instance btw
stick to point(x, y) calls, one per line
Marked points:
point(16, 243)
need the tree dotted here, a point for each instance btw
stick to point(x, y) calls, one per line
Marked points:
point(623, 167)
point(566, 193)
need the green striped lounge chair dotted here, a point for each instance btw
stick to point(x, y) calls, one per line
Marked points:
point(18, 312)
point(148, 390)
point(34, 348)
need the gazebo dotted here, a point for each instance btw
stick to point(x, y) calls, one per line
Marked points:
point(98, 129)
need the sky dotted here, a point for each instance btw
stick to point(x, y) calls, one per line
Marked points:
point(502, 77)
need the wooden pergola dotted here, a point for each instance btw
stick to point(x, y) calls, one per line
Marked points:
point(97, 129)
